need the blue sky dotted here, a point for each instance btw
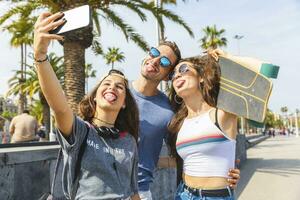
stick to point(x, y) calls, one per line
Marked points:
point(270, 28)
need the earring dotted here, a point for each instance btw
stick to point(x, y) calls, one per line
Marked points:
point(95, 99)
point(176, 99)
point(124, 106)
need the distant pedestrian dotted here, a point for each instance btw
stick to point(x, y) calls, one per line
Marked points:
point(23, 128)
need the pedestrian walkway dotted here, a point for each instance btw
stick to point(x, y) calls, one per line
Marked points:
point(272, 171)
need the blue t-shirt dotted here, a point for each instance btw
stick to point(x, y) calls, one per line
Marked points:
point(155, 114)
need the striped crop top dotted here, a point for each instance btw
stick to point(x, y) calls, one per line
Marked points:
point(206, 151)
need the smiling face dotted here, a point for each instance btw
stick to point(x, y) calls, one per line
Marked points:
point(152, 69)
point(186, 80)
point(111, 93)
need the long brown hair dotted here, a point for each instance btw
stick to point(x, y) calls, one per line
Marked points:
point(208, 69)
point(128, 117)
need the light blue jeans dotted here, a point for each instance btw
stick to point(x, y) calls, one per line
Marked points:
point(184, 194)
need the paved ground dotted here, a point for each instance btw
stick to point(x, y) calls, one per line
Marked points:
point(272, 171)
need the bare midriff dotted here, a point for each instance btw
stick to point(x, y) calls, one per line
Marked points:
point(205, 182)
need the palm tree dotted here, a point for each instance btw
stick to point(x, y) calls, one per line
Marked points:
point(114, 55)
point(31, 85)
point(36, 109)
point(213, 38)
point(21, 31)
point(76, 42)
point(161, 4)
point(89, 73)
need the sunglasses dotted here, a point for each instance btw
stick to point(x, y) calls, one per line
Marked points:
point(108, 132)
point(182, 69)
point(163, 61)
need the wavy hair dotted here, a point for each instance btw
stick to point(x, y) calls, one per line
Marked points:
point(208, 69)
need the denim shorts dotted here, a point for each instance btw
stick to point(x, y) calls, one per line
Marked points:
point(183, 194)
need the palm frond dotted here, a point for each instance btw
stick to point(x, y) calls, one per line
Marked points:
point(127, 30)
point(161, 12)
point(132, 5)
point(96, 22)
point(23, 9)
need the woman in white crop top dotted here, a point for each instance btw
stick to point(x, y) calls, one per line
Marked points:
point(205, 136)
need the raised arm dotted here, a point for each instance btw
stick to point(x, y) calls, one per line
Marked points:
point(248, 62)
point(49, 83)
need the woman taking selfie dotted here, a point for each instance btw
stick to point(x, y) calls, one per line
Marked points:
point(205, 136)
point(108, 128)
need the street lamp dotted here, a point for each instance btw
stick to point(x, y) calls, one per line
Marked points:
point(238, 37)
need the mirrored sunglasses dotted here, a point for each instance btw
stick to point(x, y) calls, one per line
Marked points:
point(184, 68)
point(163, 61)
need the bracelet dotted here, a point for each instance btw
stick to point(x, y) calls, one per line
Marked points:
point(40, 61)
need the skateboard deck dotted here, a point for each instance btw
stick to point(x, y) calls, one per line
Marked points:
point(245, 90)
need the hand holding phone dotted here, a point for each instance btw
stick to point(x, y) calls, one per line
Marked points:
point(76, 18)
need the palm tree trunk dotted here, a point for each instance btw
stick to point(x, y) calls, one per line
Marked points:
point(22, 97)
point(162, 33)
point(112, 65)
point(74, 56)
point(24, 69)
point(46, 114)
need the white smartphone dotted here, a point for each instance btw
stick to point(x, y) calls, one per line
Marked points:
point(76, 18)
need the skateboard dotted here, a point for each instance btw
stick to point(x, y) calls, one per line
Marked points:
point(245, 87)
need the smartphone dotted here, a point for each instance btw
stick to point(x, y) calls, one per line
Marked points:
point(76, 18)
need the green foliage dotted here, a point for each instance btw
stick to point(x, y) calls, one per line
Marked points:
point(114, 55)
point(269, 119)
point(213, 38)
point(36, 110)
point(89, 73)
point(30, 85)
point(26, 10)
point(278, 123)
point(8, 115)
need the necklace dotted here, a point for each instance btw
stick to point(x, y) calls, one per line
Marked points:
point(112, 124)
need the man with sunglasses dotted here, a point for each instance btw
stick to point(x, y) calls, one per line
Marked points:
point(155, 110)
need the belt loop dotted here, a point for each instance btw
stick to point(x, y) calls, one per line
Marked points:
point(229, 191)
point(200, 193)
